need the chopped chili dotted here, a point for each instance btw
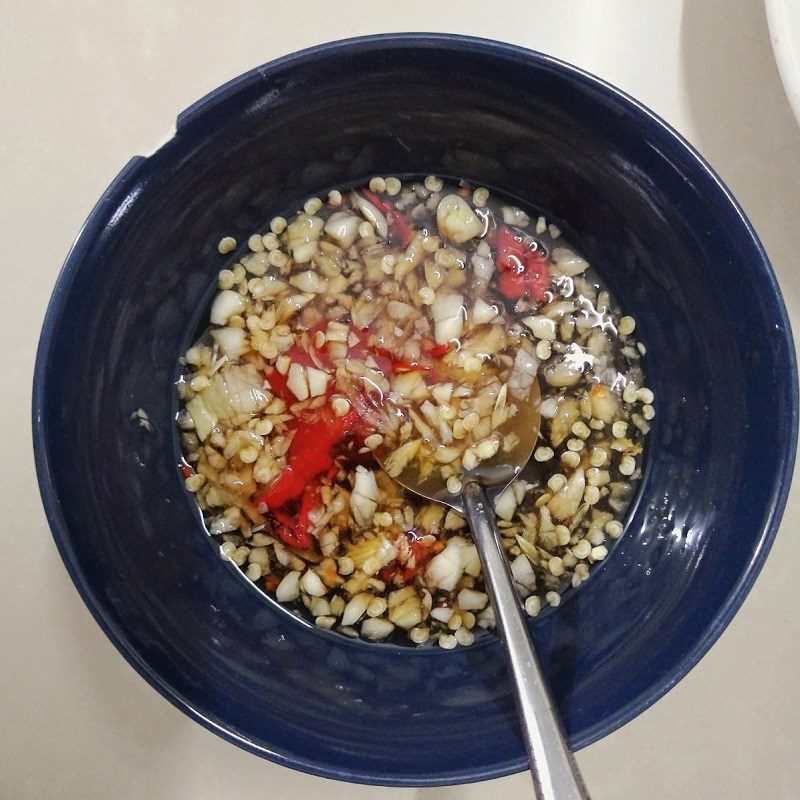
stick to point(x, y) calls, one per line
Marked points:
point(298, 531)
point(271, 581)
point(522, 267)
point(436, 350)
point(394, 573)
point(399, 367)
point(278, 385)
point(299, 355)
point(310, 454)
point(395, 219)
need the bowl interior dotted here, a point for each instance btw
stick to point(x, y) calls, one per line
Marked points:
point(661, 230)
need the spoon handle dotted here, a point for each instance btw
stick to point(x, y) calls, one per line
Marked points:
point(555, 773)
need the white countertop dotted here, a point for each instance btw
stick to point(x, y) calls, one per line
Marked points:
point(84, 86)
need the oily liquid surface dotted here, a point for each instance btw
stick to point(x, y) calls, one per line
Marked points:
point(411, 332)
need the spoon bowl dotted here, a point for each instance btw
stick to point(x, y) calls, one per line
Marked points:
point(553, 768)
point(494, 474)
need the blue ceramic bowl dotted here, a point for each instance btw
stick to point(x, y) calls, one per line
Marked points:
point(648, 211)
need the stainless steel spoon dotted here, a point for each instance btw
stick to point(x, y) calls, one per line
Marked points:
point(555, 773)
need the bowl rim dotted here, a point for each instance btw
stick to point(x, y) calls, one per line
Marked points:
point(102, 214)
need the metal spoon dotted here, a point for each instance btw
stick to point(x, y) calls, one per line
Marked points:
point(555, 773)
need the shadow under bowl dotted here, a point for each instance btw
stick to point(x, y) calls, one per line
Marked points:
point(647, 211)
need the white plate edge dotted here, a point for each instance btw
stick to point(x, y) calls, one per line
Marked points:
point(787, 52)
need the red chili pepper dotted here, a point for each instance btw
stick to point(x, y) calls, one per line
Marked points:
point(386, 361)
point(294, 538)
point(522, 269)
point(283, 518)
point(301, 527)
point(317, 436)
point(511, 249)
point(286, 531)
point(309, 455)
point(287, 486)
point(290, 530)
point(395, 219)
point(186, 470)
point(271, 581)
point(436, 350)
point(277, 383)
point(400, 367)
point(383, 358)
point(512, 285)
point(300, 356)
point(422, 555)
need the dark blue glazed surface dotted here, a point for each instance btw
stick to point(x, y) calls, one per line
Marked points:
point(649, 213)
